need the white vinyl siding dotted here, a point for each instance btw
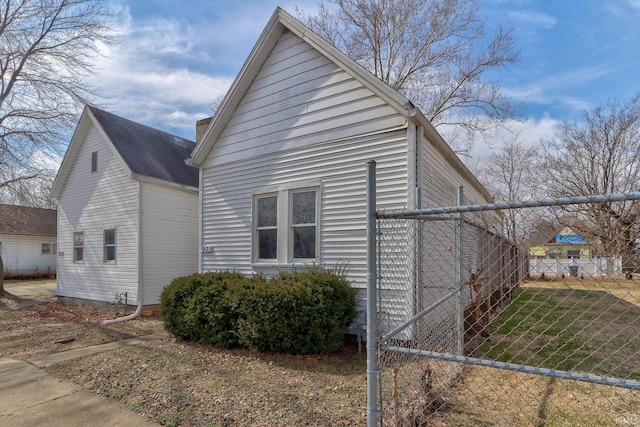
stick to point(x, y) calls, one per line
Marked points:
point(169, 237)
point(92, 202)
point(303, 118)
point(300, 98)
point(22, 255)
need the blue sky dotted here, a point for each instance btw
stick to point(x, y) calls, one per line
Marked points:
point(176, 57)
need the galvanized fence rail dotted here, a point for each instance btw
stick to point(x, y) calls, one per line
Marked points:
point(462, 332)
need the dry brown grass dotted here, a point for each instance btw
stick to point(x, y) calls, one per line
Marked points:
point(181, 383)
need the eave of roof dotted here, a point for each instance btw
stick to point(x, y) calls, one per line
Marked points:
point(143, 150)
point(281, 20)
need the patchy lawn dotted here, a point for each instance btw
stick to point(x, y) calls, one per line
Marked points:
point(573, 325)
point(181, 383)
point(586, 326)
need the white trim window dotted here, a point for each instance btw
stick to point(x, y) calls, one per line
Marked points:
point(303, 224)
point(266, 212)
point(109, 245)
point(286, 226)
point(78, 246)
point(46, 249)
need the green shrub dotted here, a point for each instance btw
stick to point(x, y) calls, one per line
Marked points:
point(174, 302)
point(302, 312)
point(196, 307)
point(212, 311)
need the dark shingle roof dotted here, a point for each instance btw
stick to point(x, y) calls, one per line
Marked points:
point(26, 221)
point(148, 151)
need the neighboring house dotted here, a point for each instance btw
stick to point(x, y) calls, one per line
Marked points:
point(282, 162)
point(27, 241)
point(568, 254)
point(127, 211)
point(564, 245)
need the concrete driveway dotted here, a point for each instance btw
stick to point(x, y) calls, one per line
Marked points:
point(39, 290)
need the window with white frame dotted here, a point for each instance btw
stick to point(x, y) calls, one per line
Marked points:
point(46, 249)
point(110, 245)
point(78, 246)
point(285, 225)
point(303, 224)
point(267, 226)
point(94, 161)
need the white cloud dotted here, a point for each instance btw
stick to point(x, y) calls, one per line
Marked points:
point(530, 130)
point(532, 18)
point(152, 75)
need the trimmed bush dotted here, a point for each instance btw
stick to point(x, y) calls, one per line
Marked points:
point(213, 310)
point(174, 302)
point(302, 312)
point(191, 305)
point(298, 313)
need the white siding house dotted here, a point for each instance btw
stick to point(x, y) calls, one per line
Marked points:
point(27, 241)
point(127, 211)
point(282, 162)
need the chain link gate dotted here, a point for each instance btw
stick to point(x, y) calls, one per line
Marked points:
point(465, 328)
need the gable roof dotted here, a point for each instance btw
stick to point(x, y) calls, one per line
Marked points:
point(280, 22)
point(146, 151)
point(27, 221)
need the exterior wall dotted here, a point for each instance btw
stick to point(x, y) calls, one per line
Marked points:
point(302, 121)
point(22, 255)
point(93, 202)
point(439, 266)
point(169, 237)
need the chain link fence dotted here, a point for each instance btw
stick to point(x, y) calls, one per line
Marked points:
point(472, 331)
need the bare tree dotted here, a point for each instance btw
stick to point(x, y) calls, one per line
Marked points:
point(510, 173)
point(47, 47)
point(436, 52)
point(600, 156)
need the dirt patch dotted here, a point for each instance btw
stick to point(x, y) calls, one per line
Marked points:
point(33, 331)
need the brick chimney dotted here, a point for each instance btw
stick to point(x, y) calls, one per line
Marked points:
point(201, 126)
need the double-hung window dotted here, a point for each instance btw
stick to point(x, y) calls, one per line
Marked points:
point(286, 225)
point(267, 226)
point(78, 246)
point(109, 245)
point(303, 224)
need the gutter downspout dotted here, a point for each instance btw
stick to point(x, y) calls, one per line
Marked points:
point(140, 281)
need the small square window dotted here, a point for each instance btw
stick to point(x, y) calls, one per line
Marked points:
point(110, 245)
point(94, 161)
point(46, 249)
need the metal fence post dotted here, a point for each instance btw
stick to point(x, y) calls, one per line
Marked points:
point(460, 271)
point(372, 321)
